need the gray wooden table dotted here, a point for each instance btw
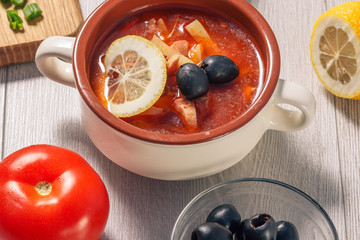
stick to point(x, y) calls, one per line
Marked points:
point(322, 160)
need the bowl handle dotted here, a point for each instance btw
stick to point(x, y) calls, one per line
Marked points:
point(288, 119)
point(53, 59)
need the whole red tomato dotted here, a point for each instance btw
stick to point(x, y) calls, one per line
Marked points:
point(48, 192)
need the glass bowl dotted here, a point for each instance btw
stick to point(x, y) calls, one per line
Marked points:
point(253, 196)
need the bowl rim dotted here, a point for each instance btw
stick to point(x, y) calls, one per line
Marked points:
point(271, 76)
point(265, 180)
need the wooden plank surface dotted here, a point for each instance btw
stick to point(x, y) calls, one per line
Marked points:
point(348, 125)
point(348, 137)
point(309, 156)
point(3, 75)
point(322, 160)
point(59, 17)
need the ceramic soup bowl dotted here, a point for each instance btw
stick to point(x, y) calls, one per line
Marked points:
point(176, 156)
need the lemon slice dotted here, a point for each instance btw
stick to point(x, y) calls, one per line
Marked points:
point(136, 75)
point(335, 50)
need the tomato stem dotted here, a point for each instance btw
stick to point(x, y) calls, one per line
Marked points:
point(43, 188)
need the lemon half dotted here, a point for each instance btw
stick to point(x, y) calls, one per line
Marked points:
point(335, 49)
point(136, 75)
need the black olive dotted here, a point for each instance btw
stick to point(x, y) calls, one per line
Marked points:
point(286, 231)
point(192, 81)
point(227, 216)
point(238, 234)
point(220, 69)
point(259, 227)
point(211, 231)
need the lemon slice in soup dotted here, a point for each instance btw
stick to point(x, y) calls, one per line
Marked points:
point(136, 75)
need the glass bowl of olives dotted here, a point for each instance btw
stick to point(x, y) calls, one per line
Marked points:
point(253, 208)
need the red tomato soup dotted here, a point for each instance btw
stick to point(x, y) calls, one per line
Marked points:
point(223, 102)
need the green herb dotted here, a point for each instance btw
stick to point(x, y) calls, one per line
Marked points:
point(15, 21)
point(17, 3)
point(13, 25)
point(32, 11)
point(4, 1)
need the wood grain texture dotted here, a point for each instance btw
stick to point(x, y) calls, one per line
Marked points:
point(322, 160)
point(3, 76)
point(313, 151)
point(348, 125)
point(348, 138)
point(59, 17)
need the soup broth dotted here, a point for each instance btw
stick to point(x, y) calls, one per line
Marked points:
point(224, 102)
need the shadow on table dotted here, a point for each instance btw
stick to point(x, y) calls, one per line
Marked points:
point(20, 72)
point(72, 133)
point(306, 167)
point(255, 3)
point(105, 237)
point(349, 108)
point(144, 208)
point(276, 157)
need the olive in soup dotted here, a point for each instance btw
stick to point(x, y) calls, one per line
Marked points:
point(213, 69)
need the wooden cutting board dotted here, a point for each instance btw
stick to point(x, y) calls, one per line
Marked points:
point(59, 18)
